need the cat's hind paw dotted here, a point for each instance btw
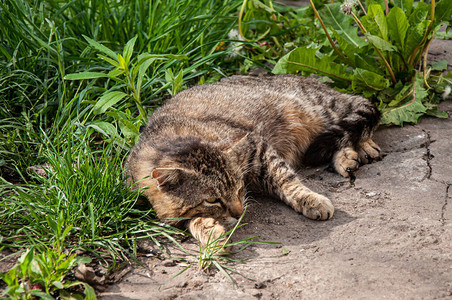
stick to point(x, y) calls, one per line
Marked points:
point(317, 207)
point(368, 151)
point(346, 161)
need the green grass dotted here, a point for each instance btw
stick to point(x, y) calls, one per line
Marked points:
point(52, 113)
point(83, 193)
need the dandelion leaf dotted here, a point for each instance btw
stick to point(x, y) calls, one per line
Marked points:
point(405, 5)
point(368, 82)
point(397, 26)
point(375, 22)
point(334, 18)
point(410, 111)
point(304, 59)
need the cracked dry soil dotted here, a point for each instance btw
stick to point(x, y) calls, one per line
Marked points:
point(390, 238)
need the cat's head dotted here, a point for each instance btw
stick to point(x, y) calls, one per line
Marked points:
point(197, 179)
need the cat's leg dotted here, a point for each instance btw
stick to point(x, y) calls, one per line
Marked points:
point(208, 231)
point(279, 179)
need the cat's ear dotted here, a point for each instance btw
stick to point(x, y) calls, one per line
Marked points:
point(166, 177)
point(230, 144)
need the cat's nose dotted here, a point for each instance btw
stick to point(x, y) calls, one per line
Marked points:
point(236, 210)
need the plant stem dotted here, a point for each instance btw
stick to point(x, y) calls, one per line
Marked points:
point(425, 60)
point(385, 62)
point(386, 7)
point(362, 8)
point(316, 13)
point(413, 53)
point(242, 9)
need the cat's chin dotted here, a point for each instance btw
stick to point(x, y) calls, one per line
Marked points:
point(231, 221)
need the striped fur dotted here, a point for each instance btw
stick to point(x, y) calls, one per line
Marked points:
point(201, 150)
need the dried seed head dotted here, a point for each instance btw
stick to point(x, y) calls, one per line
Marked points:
point(347, 6)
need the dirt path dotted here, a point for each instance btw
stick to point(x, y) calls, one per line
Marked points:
point(390, 238)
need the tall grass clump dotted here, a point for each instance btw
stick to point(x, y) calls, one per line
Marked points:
point(43, 41)
point(82, 197)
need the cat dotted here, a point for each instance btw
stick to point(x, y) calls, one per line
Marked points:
point(200, 152)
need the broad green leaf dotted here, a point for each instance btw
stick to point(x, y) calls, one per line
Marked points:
point(380, 43)
point(104, 128)
point(117, 115)
point(419, 14)
point(414, 37)
point(375, 22)
point(100, 47)
point(89, 292)
point(402, 96)
point(112, 62)
point(82, 260)
point(439, 65)
point(115, 73)
point(346, 48)
point(58, 284)
point(122, 62)
point(10, 278)
point(128, 49)
point(141, 71)
point(381, 3)
point(84, 75)
point(108, 100)
point(368, 62)
point(333, 17)
point(304, 59)
point(443, 35)
point(364, 80)
point(437, 114)
point(405, 5)
point(25, 261)
point(443, 11)
point(128, 129)
point(410, 111)
point(397, 26)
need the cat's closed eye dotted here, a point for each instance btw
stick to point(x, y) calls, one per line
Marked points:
point(214, 201)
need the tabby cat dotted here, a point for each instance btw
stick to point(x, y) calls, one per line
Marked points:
point(201, 151)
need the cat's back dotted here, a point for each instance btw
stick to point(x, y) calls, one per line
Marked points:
point(247, 95)
point(248, 103)
point(286, 110)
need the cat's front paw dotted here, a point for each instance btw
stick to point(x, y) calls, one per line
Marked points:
point(317, 207)
point(209, 232)
point(346, 161)
point(368, 151)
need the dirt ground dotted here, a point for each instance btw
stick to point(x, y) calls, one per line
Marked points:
point(390, 237)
